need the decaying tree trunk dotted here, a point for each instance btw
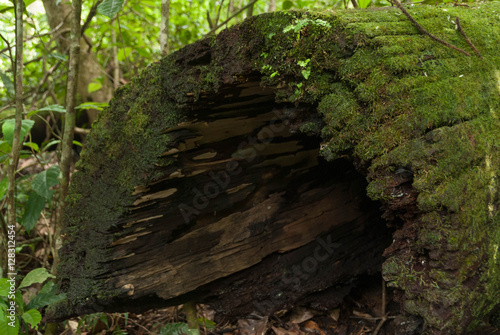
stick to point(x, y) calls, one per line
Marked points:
point(233, 172)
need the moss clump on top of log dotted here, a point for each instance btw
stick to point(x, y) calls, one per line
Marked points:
point(418, 118)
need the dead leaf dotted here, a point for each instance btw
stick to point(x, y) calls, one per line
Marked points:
point(301, 314)
point(362, 315)
point(335, 314)
point(282, 331)
point(252, 326)
point(311, 326)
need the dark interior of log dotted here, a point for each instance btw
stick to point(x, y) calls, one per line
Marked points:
point(245, 215)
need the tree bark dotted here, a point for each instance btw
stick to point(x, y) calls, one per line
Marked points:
point(16, 143)
point(69, 118)
point(164, 30)
point(58, 13)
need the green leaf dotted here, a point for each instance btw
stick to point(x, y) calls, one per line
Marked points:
point(53, 108)
point(77, 143)
point(9, 126)
point(58, 56)
point(45, 299)
point(204, 322)
point(178, 328)
point(303, 63)
point(32, 317)
point(51, 143)
point(34, 207)
point(287, 4)
point(43, 181)
point(4, 9)
point(124, 53)
point(6, 324)
point(4, 287)
point(4, 185)
point(364, 3)
point(32, 145)
point(8, 84)
point(306, 73)
point(38, 275)
point(94, 87)
point(110, 7)
point(93, 105)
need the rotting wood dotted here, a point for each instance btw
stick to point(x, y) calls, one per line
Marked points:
point(417, 120)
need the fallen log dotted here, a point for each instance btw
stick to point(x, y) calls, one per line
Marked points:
point(233, 171)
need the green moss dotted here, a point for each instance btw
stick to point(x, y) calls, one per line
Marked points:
point(123, 146)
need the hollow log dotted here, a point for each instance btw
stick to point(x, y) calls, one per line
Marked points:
point(268, 166)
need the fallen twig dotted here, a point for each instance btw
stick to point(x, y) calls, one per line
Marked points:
point(467, 39)
point(422, 29)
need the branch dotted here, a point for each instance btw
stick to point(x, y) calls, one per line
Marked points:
point(231, 17)
point(12, 61)
point(92, 13)
point(467, 39)
point(422, 29)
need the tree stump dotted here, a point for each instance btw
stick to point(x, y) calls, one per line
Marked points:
point(247, 171)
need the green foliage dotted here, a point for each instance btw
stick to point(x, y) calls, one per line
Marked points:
point(26, 314)
point(110, 8)
point(8, 129)
point(178, 328)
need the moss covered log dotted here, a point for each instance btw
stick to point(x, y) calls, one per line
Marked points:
point(419, 120)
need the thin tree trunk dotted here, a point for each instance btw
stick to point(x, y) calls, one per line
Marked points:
point(250, 9)
point(69, 122)
point(165, 18)
point(116, 67)
point(14, 156)
point(272, 6)
point(59, 12)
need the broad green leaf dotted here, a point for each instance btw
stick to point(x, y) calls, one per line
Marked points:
point(50, 288)
point(4, 9)
point(287, 4)
point(8, 129)
point(4, 287)
point(123, 53)
point(43, 181)
point(53, 108)
point(46, 296)
point(110, 7)
point(4, 185)
point(364, 3)
point(38, 275)
point(32, 317)
point(94, 87)
point(32, 145)
point(8, 84)
point(6, 324)
point(58, 56)
point(28, 2)
point(34, 207)
point(92, 105)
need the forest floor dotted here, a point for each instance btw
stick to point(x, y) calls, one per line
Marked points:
point(360, 314)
